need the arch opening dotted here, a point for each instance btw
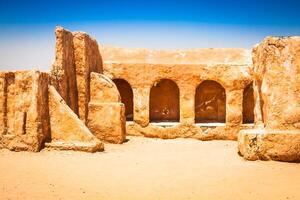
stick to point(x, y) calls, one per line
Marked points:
point(210, 103)
point(164, 102)
point(248, 105)
point(126, 94)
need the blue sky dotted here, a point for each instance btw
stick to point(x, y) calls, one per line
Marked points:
point(27, 39)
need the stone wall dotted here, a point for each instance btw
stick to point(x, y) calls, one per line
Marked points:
point(76, 56)
point(24, 113)
point(277, 85)
point(143, 76)
point(106, 116)
point(234, 56)
point(32, 117)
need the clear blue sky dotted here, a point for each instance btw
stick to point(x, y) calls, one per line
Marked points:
point(26, 27)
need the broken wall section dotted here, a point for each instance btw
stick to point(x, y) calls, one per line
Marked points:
point(106, 117)
point(25, 124)
point(277, 84)
point(76, 56)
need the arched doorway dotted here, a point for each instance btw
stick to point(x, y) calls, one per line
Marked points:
point(164, 102)
point(210, 103)
point(248, 105)
point(126, 93)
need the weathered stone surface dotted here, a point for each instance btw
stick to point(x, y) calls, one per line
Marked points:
point(189, 56)
point(234, 112)
point(107, 121)
point(63, 72)
point(186, 130)
point(25, 116)
point(277, 89)
point(68, 132)
point(143, 76)
point(106, 114)
point(87, 60)
point(262, 144)
point(277, 71)
point(103, 90)
point(76, 56)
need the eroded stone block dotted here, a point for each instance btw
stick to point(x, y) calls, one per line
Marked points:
point(262, 144)
point(68, 132)
point(107, 121)
point(25, 110)
point(103, 89)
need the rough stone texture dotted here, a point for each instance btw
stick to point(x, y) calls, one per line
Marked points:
point(277, 81)
point(68, 132)
point(24, 110)
point(63, 74)
point(103, 90)
point(142, 76)
point(87, 60)
point(281, 145)
point(76, 56)
point(106, 117)
point(228, 56)
point(277, 71)
point(107, 121)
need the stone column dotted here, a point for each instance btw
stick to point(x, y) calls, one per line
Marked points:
point(141, 105)
point(258, 118)
point(187, 104)
point(234, 107)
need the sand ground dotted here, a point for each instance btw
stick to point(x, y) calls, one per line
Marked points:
point(146, 168)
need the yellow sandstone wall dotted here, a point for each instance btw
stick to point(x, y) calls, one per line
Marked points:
point(143, 69)
point(76, 56)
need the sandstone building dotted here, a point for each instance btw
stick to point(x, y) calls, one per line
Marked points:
point(96, 94)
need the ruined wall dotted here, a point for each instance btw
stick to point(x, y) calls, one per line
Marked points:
point(33, 118)
point(87, 60)
point(143, 76)
point(76, 56)
point(235, 56)
point(106, 116)
point(24, 110)
point(277, 85)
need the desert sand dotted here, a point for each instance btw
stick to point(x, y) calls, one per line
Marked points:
point(145, 168)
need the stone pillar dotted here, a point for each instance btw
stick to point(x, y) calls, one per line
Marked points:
point(187, 104)
point(258, 118)
point(63, 70)
point(87, 60)
point(234, 107)
point(141, 105)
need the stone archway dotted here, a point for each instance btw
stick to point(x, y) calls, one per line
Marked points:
point(164, 102)
point(126, 94)
point(210, 102)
